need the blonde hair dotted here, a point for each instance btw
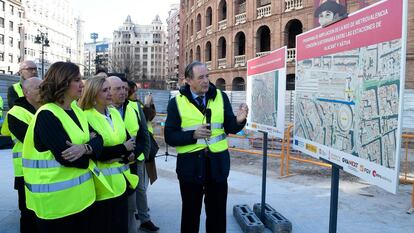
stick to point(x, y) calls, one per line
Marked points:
point(92, 87)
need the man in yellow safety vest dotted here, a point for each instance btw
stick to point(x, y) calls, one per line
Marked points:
point(198, 119)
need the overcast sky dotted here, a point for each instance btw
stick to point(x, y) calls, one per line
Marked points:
point(105, 16)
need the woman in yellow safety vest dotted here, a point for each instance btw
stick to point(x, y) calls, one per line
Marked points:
point(110, 212)
point(58, 173)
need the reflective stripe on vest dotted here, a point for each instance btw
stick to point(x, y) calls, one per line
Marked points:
point(111, 137)
point(58, 186)
point(52, 190)
point(29, 163)
point(213, 126)
point(26, 117)
point(212, 140)
point(192, 118)
point(114, 170)
point(132, 115)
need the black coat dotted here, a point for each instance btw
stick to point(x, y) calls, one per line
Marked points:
point(199, 167)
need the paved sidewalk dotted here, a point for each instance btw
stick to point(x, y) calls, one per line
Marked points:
point(303, 200)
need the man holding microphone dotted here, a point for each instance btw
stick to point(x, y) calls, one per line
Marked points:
point(203, 162)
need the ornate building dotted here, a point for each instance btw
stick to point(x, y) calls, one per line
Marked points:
point(173, 46)
point(226, 33)
point(58, 21)
point(139, 52)
point(10, 39)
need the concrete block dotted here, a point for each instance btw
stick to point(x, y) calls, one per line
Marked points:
point(275, 221)
point(247, 220)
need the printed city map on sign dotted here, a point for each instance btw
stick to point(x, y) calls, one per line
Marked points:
point(266, 84)
point(349, 82)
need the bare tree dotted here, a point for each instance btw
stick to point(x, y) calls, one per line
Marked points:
point(125, 63)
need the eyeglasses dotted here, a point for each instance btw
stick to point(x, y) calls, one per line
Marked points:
point(30, 69)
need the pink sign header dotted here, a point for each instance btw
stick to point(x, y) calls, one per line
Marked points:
point(372, 25)
point(273, 61)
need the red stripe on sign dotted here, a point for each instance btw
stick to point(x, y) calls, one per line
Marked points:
point(373, 25)
point(273, 61)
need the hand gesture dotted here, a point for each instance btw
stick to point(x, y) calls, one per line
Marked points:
point(202, 132)
point(74, 152)
point(131, 157)
point(148, 100)
point(242, 113)
point(130, 144)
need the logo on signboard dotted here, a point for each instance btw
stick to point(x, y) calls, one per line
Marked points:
point(299, 143)
point(311, 148)
point(351, 164)
point(363, 169)
point(378, 175)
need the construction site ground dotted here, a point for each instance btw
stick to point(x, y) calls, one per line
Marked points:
point(303, 197)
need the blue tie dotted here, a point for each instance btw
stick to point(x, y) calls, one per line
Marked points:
point(200, 101)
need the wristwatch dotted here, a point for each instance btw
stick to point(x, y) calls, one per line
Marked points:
point(88, 148)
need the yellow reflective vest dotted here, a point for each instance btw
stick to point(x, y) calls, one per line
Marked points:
point(18, 89)
point(192, 118)
point(114, 172)
point(132, 115)
point(53, 190)
point(25, 116)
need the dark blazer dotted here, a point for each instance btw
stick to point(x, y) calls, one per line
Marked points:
point(199, 167)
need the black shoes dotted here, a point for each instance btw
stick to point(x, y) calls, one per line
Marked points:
point(149, 227)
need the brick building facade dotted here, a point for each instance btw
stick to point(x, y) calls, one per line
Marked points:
point(226, 33)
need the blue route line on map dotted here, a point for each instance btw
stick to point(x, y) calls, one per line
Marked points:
point(337, 101)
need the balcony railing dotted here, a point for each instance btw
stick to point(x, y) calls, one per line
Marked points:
point(199, 3)
point(198, 35)
point(241, 18)
point(222, 24)
point(222, 63)
point(208, 64)
point(291, 55)
point(264, 11)
point(259, 54)
point(293, 5)
point(209, 30)
point(239, 60)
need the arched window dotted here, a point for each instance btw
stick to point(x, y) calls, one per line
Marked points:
point(263, 39)
point(221, 84)
point(209, 17)
point(198, 53)
point(293, 28)
point(222, 10)
point(240, 44)
point(238, 84)
point(208, 51)
point(222, 47)
point(240, 6)
point(198, 23)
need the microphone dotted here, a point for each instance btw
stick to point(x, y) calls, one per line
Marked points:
point(208, 118)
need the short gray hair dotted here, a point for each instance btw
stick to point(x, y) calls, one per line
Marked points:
point(189, 73)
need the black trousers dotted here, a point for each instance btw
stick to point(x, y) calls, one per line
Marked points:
point(27, 217)
point(79, 223)
point(111, 215)
point(215, 201)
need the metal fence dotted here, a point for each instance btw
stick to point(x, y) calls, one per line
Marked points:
point(5, 82)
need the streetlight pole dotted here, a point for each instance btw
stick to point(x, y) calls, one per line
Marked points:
point(42, 39)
